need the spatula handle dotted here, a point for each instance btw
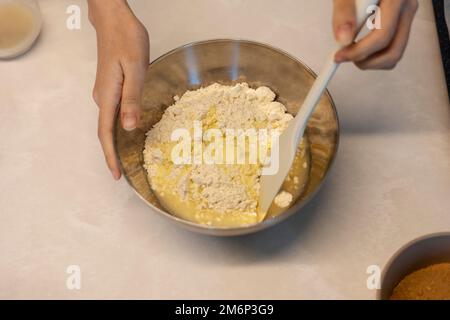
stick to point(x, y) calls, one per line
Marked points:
point(324, 77)
point(363, 11)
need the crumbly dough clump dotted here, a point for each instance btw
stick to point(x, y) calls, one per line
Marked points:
point(221, 188)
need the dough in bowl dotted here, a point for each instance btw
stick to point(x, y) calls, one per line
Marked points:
point(212, 178)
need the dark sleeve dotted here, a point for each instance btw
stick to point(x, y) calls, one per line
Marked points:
point(444, 41)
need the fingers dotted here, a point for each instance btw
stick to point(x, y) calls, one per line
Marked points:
point(107, 92)
point(387, 59)
point(118, 82)
point(131, 95)
point(344, 21)
point(105, 135)
point(378, 39)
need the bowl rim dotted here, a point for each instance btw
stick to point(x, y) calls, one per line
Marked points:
point(251, 228)
point(402, 249)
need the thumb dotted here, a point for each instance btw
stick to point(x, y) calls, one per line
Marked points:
point(344, 21)
point(130, 106)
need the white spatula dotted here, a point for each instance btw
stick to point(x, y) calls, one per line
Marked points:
point(290, 138)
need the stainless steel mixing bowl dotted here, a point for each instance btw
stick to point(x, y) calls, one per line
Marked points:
point(228, 62)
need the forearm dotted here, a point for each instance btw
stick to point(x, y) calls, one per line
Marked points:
point(103, 11)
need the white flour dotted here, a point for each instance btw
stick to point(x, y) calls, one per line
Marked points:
point(222, 188)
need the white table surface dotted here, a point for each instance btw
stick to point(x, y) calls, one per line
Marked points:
point(60, 207)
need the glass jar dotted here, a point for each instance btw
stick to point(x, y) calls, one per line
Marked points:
point(20, 25)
